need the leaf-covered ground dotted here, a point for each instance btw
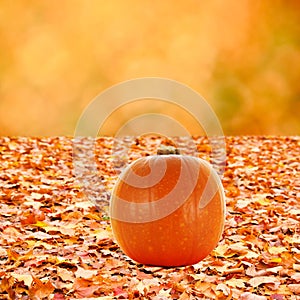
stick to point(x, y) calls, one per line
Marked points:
point(55, 244)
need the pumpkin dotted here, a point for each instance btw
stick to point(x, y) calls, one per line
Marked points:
point(168, 209)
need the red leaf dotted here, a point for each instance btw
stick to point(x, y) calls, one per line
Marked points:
point(277, 297)
point(118, 291)
point(58, 296)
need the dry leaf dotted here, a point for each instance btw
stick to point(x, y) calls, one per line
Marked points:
point(39, 289)
point(224, 289)
point(84, 288)
point(84, 273)
point(50, 229)
point(65, 274)
point(250, 296)
point(295, 288)
point(236, 283)
point(296, 276)
point(256, 281)
point(23, 277)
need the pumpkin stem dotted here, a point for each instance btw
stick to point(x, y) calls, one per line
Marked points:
point(167, 150)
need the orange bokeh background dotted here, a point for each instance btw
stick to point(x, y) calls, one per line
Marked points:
point(243, 57)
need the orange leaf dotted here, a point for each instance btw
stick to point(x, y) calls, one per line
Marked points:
point(6, 285)
point(84, 287)
point(39, 289)
point(12, 255)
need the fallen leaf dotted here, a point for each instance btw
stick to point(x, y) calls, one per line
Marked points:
point(276, 250)
point(40, 289)
point(51, 230)
point(250, 296)
point(256, 281)
point(295, 288)
point(58, 296)
point(26, 278)
point(296, 276)
point(84, 273)
point(163, 294)
point(277, 297)
point(84, 288)
point(65, 274)
point(296, 267)
point(224, 289)
point(236, 283)
point(39, 235)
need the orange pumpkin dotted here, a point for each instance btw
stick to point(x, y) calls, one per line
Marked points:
point(168, 210)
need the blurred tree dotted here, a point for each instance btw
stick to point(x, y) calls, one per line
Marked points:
point(242, 56)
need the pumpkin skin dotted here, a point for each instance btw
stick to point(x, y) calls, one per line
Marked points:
point(168, 210)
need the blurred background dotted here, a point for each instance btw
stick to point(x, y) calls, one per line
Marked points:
point(242, 56)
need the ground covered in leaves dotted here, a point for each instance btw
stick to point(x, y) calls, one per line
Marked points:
point(55, 243)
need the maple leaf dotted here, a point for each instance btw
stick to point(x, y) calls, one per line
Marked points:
point(6, 285)
point(163, 294)
point(84, 288)
point(19, 258)
point(39, 289)
point(31, 217)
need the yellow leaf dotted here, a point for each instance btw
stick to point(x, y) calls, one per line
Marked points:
point(276, 250)
point(102, 234)
point(23, 277)
point(251, 254)
point(236, 283)
point(276, 259)
point(220, 250)
point(41, 224)
point(263, 201)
